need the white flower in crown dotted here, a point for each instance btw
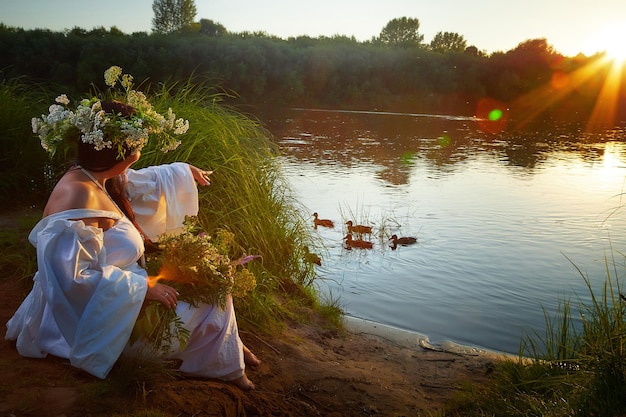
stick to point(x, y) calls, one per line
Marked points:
point(112, 75)
point(104, 130)
point(62, 99)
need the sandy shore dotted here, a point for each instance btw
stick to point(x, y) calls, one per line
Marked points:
point(306, 370)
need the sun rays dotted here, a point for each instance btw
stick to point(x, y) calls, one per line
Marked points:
point(590, 87)
point(530, 106)
point(605, 109)
point(605, 72)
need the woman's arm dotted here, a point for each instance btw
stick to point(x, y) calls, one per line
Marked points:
point(200, 175)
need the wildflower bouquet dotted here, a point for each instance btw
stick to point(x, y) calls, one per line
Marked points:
point(199, 267)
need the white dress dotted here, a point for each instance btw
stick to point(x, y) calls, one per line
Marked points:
point(89, 287)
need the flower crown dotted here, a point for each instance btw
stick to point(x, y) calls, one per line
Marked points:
point(106, 130)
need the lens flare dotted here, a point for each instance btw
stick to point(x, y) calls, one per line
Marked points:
point(559, 80)
point(152, 280)
point(495, 115)
point(491, 115)
point(408, 158)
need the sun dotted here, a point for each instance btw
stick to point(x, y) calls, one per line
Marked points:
point(609, 40)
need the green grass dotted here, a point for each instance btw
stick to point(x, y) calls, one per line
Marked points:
point(571, 371)
point(21, 157)
point(17, 255)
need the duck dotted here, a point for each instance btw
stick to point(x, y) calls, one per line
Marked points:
point(358, 228)
point(402, 240)
point(322, 222)
point(312, 257)
point(357, 243)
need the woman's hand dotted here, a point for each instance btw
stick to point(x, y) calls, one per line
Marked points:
point(164, 294)
point(200, 175)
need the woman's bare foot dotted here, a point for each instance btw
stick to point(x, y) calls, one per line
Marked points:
point(243, 383)
point(250, 358)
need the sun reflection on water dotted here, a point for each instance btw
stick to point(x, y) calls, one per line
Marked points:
point(612, 157)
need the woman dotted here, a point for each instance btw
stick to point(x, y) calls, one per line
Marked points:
point(90, 286)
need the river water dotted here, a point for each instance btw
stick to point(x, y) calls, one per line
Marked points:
point(505, 223)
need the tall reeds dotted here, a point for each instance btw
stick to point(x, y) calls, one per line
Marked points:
point(22, 160)
point(577, 369)
point(248, 194)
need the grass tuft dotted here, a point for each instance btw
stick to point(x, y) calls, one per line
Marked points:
point(574, 370)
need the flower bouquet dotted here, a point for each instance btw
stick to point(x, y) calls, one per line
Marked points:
point(200, 268)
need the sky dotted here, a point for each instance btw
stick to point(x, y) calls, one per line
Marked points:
point(570, 26)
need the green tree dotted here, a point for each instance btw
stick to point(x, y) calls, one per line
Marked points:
point(172, 15)
point(402, 32)
point(210, 28)
point(473, 50)
point(448, 41)
point(533, 61)
point(534, 47)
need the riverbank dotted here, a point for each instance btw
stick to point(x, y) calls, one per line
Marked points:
point(306, 370)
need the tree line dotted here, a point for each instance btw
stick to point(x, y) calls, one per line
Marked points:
point(178, 16)
point(395, 71)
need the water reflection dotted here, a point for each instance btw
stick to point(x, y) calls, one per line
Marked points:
point(497, 217)
point(397, 142)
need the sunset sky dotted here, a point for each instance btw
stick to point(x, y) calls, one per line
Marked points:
point(570, 26)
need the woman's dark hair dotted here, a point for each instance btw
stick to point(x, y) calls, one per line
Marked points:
point(116, 187)
point(93, 160)
point(101, 160)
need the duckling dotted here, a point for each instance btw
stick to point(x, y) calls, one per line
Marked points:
point(358, 228)
point(357, 243)
point(322, 222)
point(312, 257)
point(402, 240)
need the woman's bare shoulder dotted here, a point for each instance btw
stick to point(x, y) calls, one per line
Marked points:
point(68, 194)
point(73, 192)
